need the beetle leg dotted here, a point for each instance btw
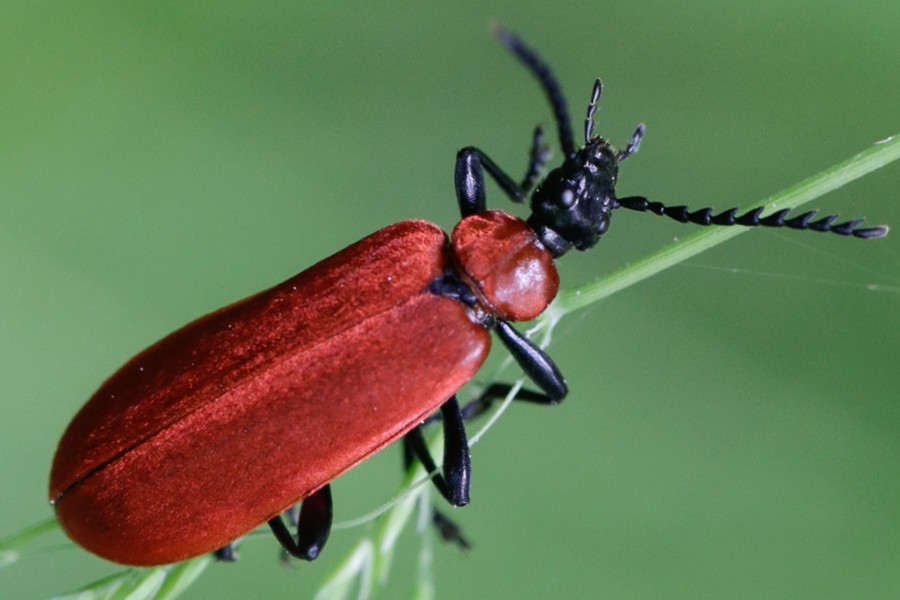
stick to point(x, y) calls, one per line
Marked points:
point(313, 526)
point(469, 175)
point(226, 554)
point(448, 529)
point(453, 483)
point(538, 157)
point(539, 367)
point(291, 514)
point(485, 400)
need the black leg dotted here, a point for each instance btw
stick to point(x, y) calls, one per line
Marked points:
point(485, 400)
point(454, 480)
point(290, 515)
point(313, 526)
point(413, 444)
point(446, 527)
point(226, 553)
point(538, 157)
point(539, 367)
point(469, 175)
point(449, 530)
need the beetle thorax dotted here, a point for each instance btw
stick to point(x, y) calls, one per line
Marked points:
point(501, 259)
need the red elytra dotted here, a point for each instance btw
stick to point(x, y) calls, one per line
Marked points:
point(238, 415)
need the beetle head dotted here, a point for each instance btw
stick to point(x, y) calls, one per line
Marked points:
point(571, 206)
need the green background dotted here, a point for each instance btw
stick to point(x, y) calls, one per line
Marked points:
point(730, 432)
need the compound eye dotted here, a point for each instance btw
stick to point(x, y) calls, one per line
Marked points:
point(604, 155)
point(602, 225)
point(567, 199)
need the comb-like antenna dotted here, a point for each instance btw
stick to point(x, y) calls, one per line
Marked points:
point(752, 218)
point(591, 109)
point(551, 86)
point(635, 144)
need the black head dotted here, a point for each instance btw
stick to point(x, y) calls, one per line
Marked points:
point(571, 207)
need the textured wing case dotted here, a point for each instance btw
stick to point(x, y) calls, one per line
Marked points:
point(241, 413)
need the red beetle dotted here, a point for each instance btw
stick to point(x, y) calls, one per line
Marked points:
point(237, 416)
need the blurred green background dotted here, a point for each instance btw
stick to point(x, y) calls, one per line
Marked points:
point(732, 428)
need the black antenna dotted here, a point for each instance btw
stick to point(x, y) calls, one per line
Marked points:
point(591, 109)
point(752, 218)
point(551, 86)
point(635, 143)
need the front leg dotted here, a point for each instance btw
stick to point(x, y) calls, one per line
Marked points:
point(539, 367)
point(469, 176)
